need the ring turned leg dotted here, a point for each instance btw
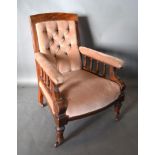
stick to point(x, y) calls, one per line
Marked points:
point(59, 135)
point(117, 108)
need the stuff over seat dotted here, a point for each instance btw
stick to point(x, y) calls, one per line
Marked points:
point(86, 92)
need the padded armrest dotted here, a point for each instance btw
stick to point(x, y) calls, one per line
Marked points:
point(105, 58)
point(49, 67)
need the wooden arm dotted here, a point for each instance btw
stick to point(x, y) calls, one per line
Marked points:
point(47, 63)
point(51, 84)
point(114, 77)
point(60, 104)
point(96, 64)
point(104, 58)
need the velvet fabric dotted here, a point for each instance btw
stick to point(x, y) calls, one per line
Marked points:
point(48, 64)
point(59, 56)
point(105, 58)
point(59, 38)
point(85, 92)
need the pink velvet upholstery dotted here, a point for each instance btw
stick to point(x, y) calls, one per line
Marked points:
point(59, 57)
point(105, 58)
point(59, 39)
point(48, 64)
point(85, 92)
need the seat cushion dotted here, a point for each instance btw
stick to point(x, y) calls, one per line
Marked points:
point(86, 92)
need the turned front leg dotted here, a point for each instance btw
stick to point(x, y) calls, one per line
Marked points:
point(59, 135)
point(60, 117)
point(60, 121)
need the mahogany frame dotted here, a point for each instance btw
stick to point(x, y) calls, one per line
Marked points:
point(88, 63)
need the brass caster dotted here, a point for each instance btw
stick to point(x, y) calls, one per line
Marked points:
point(57, 144)
point(42, 105)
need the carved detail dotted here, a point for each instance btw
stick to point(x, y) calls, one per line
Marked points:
point(60, 106)
point(59, 136)
point(114, 77)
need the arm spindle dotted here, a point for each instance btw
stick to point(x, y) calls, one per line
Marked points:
point(85, 62)
point(104, 70)
point(97, 67)
point(91, 64)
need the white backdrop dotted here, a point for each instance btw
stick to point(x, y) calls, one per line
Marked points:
point(104, 24)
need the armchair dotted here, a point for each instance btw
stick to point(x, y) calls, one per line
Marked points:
point(76, 81)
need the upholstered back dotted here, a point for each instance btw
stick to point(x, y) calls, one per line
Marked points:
point(58, 38)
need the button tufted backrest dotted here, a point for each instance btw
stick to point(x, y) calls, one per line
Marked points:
point(56, 35)
point(59, 38)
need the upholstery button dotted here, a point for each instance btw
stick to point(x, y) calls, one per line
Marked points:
point(63, 38)
point(52, 40)
point(56, 30)
point(44, 31)
point(48, 48)
point(69, 45)
point(66, 53)
point(58, 46)
point(68, 28)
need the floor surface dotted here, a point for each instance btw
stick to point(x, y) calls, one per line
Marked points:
point(95, 135)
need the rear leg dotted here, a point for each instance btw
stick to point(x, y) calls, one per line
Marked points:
point(117, 108)
point(40, 98)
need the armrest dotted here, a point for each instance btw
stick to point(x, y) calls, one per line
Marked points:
point(49, 67)
point(105, 58)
